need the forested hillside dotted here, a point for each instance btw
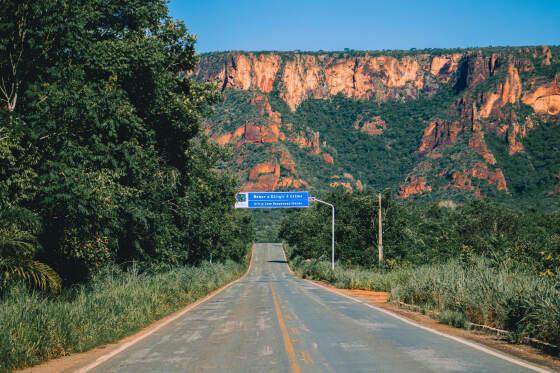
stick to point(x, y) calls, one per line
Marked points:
point(428, 124)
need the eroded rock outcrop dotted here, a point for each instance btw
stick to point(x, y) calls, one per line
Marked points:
point(249, 133)
point(307, 141)
point(437, 135)
point(414, 185)
point(515, 132)
point(328, 158)
point(373, 126)
point(511, 89)
point(508, 92)
point(545, 98)
point(445, 66)
point(268, 176)
point(346, 181)
point(476, 140)
point(546, 54)
point(463, 180)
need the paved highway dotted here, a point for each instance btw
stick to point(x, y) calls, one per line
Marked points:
point(271, 321)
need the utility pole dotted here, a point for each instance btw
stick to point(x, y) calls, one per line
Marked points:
point(379, 233)
point(313, 199)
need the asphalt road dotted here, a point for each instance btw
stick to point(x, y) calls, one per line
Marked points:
point(271, 321)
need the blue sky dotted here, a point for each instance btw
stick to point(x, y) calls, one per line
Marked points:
point(359, 24)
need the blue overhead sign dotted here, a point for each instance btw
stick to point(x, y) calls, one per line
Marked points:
point(271, 200)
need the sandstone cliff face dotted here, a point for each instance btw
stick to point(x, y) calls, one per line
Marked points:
point(250, 72)
point(445, 66)
point(544, 98)
point(303, 76)
point(301, 79)
point(437, 135)
point(508, 92)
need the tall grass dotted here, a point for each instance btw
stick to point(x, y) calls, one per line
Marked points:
point(35, 327)
point(484, 292)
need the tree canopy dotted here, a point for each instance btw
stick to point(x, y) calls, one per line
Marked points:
point(100, 140)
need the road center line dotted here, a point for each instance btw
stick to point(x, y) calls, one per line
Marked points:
point(288, 345)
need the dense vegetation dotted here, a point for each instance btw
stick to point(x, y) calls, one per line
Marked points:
point(531, 174)
point(415, 233)
point(485, 262)
point(101, 160)
point(102, 164)
point(397, 53)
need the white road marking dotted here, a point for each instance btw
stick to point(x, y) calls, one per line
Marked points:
point(194, 336)
point(457, 339)
point(267, 351)
point(100, 360)
point(350, 346)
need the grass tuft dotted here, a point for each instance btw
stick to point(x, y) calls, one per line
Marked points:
point(453, 318)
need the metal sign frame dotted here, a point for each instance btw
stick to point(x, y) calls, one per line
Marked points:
point(271, 200)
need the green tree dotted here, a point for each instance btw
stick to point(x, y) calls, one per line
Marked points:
point(105, 148)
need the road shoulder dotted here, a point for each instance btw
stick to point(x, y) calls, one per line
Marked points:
point(520, 352)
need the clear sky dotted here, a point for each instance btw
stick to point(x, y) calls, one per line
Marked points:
point(359, 24)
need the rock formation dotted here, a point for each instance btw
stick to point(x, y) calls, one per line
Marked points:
point(497, 96)
point(373, 126)
point(414, 185)
point(545, 98)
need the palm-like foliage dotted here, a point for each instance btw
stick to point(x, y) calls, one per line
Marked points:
point(17, 248)
point(35, 273)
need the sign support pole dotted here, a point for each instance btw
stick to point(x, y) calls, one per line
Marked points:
point(332, 239)
point(380, 234)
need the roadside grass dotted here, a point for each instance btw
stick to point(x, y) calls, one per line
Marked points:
point(35, 327)
point(486, 292)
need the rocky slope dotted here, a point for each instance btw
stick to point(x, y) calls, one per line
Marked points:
point(436, 124)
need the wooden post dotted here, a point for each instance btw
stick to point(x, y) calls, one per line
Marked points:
point(379, 233)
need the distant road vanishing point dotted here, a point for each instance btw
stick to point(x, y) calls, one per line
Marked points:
point(271, 321)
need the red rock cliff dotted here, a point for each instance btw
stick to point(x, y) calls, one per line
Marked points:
point(319, 76)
